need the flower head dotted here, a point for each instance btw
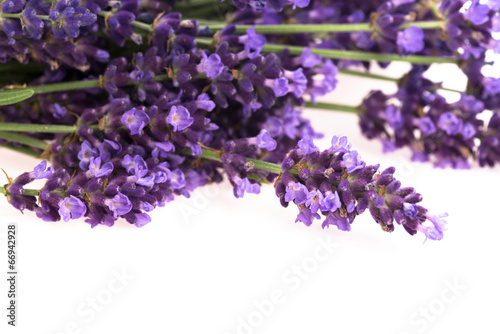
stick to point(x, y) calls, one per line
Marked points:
point(71, 208)
point(264, 140)
point(135, 120)
point(253, 43)
point(340, 144)
point(450, 123)
point(41, 171)
point(212, 65)
point(96, 170)
point(352, 161)
point(119, 205)
point(180, 118)
point(245, 186)
point(411, 40)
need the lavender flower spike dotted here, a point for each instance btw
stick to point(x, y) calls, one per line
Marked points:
point(340, 186)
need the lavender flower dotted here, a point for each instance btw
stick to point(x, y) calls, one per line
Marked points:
point(119, 205)
point(340, 191)
point(179, 118)
point(411, 40)
point(211, 66)
point(72, 208)
point(135, 120)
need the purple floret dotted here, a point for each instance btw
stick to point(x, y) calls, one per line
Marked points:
point(71, 208)
point(180, 118)
point(411, 40)
point(118, 205)
point(212, 65)
point(135, 120)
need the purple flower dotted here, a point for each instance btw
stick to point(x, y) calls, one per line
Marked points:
point(352, 161)
point(246, 186)
point(334, 218)
point(119, 205)
point(450, 123)
point(41, 171)
point(135, 120)
point(177, 179)
point(341, 196)
point(264, 140)
point(411, 40)
point(162, 149)
point(434, 232)
point(86, 153)
point(299, 80)
point(492, 88)
point(67, 18)
point(340, 144)
point(108, 148)
point(306, 216)
point(410, 210)
point(468, 131)
point(274, 126)
point(58, 111)
point(203, 102)
point(394, 118)
point(180, 118)
point(254, 43)
point(212, 65)
point(258, 5)
point(71, 208)
point(314, 200)
point(309, 59)
point(478, 13)
point(296, 192)
point(280, 86)
point(95, 169)
point(129, 163)
point(331, 202)
point(427, 126)
point(300, 3)
point(135, 165)
point(388, 146)
point(142, 219)
point(32, 23)
point(306, 145)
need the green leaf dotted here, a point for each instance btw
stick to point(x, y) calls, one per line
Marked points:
point(16, 95)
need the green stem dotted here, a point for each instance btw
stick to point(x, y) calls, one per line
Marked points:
point(359, 55)
point(137, 24)
point(384, 78)
point(14, 137)
point(22, 149)
point(347, 54)
point(18, 16)
point(367, 75)
point(39, 128)
point(318, 28)
point(65, 86)
point(332, 106)
point(27, 192)
point(258, 164)
point(75, 85)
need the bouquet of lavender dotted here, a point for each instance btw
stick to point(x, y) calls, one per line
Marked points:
point(132, 103)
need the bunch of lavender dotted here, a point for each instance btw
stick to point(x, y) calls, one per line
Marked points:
point(133, 105)
point(354, 33)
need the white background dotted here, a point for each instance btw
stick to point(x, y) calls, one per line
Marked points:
point(216, 264)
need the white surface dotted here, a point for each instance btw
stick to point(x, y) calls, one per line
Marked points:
point(216, 264)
